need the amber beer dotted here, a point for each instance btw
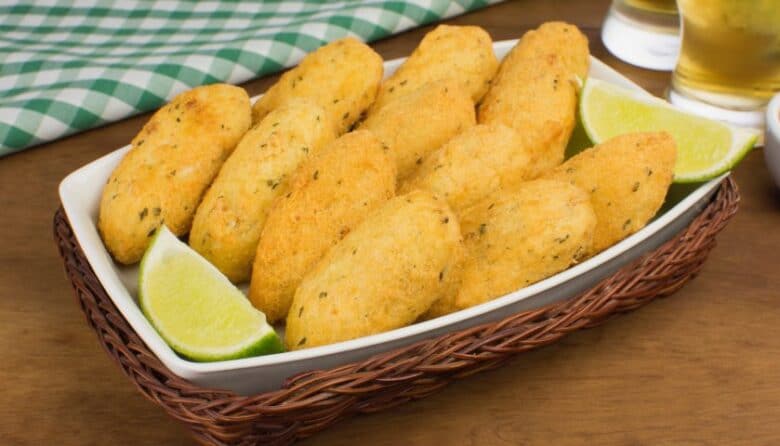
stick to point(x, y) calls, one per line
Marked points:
point(650, 13)
point(653, 6)
point(730, 55)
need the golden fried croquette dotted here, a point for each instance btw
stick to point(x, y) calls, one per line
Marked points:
point(516, 238)
point(228, 222)
point(416, 124)
point(563, 39)
point(462, 53)
point(169, 166)
point(329, 194)
point(382, 275)
point(342, 77)
point(474, 164)
point(535, 90)
point(627, 177)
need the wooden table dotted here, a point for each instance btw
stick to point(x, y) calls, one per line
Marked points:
point(699, 368)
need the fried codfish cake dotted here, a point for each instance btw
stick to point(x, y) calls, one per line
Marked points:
point(416, 124)
point(516, 238)
point(169, 166)
point(461, 53)
point(382, 275)
point(330, 194)
point(535, 90)
point(561, 38)
point(627, 177)
point(480, 161)
point(228, 222)
point(342, 77)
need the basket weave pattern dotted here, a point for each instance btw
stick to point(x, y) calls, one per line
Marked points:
point(312, 401)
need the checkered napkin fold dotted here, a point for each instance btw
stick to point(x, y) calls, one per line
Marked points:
point(69, 66)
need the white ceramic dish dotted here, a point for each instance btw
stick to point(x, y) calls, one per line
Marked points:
point(80, 194)
point(772, 138)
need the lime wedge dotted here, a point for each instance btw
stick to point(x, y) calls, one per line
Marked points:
point(705, 148)
point(195, 308)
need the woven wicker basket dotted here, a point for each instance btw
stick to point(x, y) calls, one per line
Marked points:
point(312, 401)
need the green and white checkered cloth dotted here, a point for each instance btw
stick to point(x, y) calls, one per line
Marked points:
point(69, 66)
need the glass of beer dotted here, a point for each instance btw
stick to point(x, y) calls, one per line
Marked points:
point(729, 64)
point(644, 33)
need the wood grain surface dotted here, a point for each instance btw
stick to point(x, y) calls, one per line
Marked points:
point(699, 368)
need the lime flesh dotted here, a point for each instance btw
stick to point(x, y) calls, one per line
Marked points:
point(705, 148)
point(196, 309)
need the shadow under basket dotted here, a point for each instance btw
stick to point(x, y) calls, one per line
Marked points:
point(312, 401)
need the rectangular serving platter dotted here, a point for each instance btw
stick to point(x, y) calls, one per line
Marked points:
point(80, 195)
